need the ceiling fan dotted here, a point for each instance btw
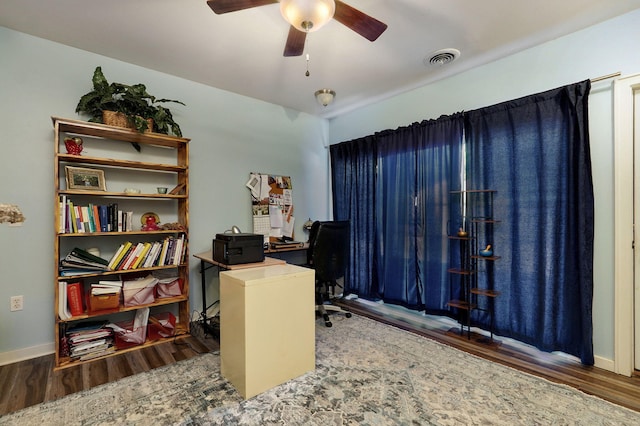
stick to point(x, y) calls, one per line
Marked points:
point(307, 16)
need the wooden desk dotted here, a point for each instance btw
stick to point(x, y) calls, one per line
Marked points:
point(261, 347)
point(207, 262)
point(207, 257)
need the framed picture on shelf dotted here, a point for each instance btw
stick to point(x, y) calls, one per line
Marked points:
point(85, 179)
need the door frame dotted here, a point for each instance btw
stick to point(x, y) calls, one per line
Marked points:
point(624, 89)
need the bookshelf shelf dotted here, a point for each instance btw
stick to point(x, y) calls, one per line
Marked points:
point(122, 195)
point(106, 234)
point(163, 161)
point(104, 313)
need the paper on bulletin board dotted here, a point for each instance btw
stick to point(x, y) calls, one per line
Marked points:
point(272, 196)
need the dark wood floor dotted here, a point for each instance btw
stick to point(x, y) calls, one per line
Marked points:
point(33, 381)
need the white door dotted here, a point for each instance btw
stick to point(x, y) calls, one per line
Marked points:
point(636, 193)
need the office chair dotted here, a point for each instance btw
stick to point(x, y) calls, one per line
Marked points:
point(328, 255)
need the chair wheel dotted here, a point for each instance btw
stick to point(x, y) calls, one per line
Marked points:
point(328, 324)
point(348, 315)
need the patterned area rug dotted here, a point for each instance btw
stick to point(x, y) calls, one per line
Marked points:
point(367, 373)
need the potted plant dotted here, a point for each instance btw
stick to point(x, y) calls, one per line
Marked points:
point(131, 101)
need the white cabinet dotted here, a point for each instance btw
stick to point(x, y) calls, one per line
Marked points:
point(267, 326)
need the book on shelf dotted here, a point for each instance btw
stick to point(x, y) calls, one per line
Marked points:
point(110, 283)
point(132, 256)
point(163, 253)
point(98, 290)
point(103, 214)
point(79, 219)
point(73, 225)
point(74, 298)
point(128, 221)
point(113, 217)
point(86, 219)
point(63, 307)
point(142, 255)
point(153, 255)
point(177, 254)
point(62, 214)
point(89, 340)
point(125, 257)
point(118, 255)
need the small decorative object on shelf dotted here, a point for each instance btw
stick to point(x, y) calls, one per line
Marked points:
point(174, 226)
point(487, 251)
point(150, 221)
point(73, 145)
point(162, 189)
point(462, 233)
point(85, 179)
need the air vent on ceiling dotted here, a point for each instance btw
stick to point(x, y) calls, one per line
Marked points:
point(442, 57)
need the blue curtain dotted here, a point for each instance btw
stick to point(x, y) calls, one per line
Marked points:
point(417, 167)
point(535, 152)
point(394, 188)
point(353, 168)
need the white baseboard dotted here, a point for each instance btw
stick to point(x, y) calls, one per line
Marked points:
point(26, 353)
point(604, 363)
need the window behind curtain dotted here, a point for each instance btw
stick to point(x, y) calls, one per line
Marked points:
point(394, 188)
point(535, 152)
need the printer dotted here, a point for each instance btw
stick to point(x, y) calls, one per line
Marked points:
point(233, 249)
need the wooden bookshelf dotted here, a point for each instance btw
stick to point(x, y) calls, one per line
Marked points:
point(162, 162)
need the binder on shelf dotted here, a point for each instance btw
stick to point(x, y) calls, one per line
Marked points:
point(74, 298)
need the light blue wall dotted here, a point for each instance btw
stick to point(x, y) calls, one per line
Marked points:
point(231, 135)
point(599, 50)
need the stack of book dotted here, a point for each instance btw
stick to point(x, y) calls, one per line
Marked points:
point(92, 218)
point(130, 255)
point(90, 340)
point(79, 262)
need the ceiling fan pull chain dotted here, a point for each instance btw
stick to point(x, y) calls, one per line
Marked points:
point(307, 73)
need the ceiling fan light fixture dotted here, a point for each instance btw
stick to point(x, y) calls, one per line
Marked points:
point(307, 15)
point(325, 96)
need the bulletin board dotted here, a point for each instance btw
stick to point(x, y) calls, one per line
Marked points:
point(272, 206)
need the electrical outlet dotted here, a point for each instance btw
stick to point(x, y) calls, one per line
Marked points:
point(17, 303)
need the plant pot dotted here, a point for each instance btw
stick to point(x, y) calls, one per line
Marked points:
point(118, 119)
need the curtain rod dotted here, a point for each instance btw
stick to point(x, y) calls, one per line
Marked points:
point(606, 77)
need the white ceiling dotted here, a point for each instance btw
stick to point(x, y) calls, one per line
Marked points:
point(241, 52)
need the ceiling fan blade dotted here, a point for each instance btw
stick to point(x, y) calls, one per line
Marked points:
point(226, 6)
point(368, 27)
point(295, 42)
